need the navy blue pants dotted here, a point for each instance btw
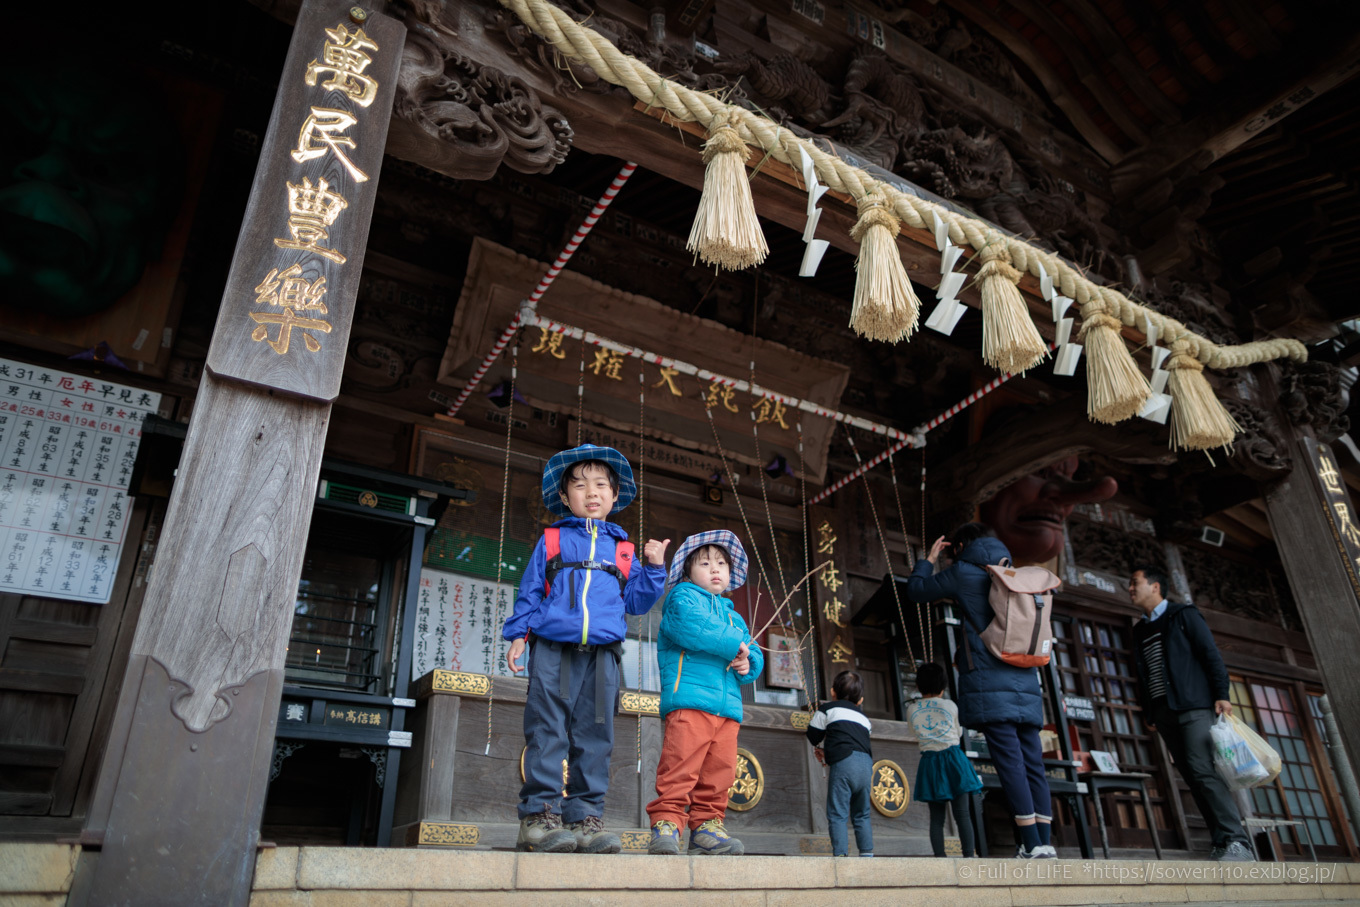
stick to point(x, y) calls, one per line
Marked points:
point(1019, 760)
point(560, 729)
point(847, 799)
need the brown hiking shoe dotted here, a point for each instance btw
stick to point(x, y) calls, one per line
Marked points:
point(591, 836)
point(543, 833)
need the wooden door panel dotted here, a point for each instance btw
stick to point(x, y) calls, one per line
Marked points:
point(46, 657)
point(55, 660)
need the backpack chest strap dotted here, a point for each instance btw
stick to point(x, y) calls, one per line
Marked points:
point(555, 565)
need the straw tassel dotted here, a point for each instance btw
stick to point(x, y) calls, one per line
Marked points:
point(726, 231)
point(1010, 342)
point(1198, 419)
point(1116, 389)
point(885, 307)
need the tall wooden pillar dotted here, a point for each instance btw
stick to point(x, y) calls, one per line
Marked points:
point(182, 789)
point(1317, 530)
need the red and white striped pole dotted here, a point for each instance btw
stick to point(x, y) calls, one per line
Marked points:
point(567, 252)
point(945, 416)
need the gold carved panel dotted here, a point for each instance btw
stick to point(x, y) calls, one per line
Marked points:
point(459, 682)
point(640, 703)
point(445, 834)
point(635, 841)
point(889, 791)
point(749, 785)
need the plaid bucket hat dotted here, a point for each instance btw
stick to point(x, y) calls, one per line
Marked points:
point(722, 537)
point(561, 462)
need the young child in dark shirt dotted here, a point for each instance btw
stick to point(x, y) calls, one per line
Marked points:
point(840, 733)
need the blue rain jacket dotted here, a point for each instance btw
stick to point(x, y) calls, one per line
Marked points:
point(993, 691)
point(584, 605)
point(700, 635)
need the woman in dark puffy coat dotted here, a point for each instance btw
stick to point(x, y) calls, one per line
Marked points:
point(1002, 701)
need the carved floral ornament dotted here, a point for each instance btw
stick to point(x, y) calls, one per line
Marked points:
point(1118, 389)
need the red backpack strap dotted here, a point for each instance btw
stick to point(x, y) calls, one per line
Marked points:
point(623, 557)
point(552, 549)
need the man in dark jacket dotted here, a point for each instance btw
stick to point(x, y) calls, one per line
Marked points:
point(1182, 685)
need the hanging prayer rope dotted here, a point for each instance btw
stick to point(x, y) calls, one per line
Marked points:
point(500, 547)
point(887, 559)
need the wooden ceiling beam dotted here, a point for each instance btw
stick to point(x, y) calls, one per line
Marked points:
point(1152, 29)
point(1261, 33)
point(1210, 38)
point(1320, 185)
point(1253, 519)
point(1089, 74)
point(1053, 83)
point(1239, 116)
point(1114, 48)
point(1236, 530)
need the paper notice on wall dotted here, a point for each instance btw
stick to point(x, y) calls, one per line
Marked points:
point(458, 624)
point(67, 446)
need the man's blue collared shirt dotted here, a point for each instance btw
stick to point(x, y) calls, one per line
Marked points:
point(1157, 611)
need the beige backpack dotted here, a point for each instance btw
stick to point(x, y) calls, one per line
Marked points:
point(1022, 601)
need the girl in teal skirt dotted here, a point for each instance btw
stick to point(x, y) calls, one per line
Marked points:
point(944, 775)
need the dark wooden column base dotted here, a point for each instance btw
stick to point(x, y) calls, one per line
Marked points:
point(199, 794)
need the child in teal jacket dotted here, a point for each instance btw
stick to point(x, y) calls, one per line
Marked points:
point(706, 655)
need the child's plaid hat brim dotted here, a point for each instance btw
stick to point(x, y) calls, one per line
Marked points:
point(722, 537)
point(564, 460)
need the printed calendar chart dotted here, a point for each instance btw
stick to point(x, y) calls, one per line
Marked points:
point(67, 445)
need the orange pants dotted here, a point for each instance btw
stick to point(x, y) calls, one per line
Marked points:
point(697, 767)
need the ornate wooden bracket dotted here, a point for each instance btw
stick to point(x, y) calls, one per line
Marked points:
point(464, 119)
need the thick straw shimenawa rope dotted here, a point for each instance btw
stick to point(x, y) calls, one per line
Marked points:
point(1115, 389)
point(726, 231)
point(1198, 420)
point(1010, 342)
point(583, 45)
point(885, 307)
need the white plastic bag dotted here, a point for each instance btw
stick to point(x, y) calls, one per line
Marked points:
point(1233, 757)
point(1263, 751)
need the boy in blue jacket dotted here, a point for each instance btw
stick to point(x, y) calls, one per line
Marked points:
point(706, 655)
point(570, 612)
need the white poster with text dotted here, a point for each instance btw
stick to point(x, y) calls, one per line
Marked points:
point(458, 624)
point(67, 446)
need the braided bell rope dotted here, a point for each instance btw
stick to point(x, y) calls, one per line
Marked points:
point(584, 45)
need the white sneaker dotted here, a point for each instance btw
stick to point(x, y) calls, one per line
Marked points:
point(1042, 852)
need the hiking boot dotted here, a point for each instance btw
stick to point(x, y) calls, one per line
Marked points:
point(543, 833)
point(665, 839)
point(712, 838)
point(1235, 852)
point(591, 836)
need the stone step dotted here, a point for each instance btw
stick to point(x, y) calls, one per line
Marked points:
point(40, 874)
point(315, 876)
